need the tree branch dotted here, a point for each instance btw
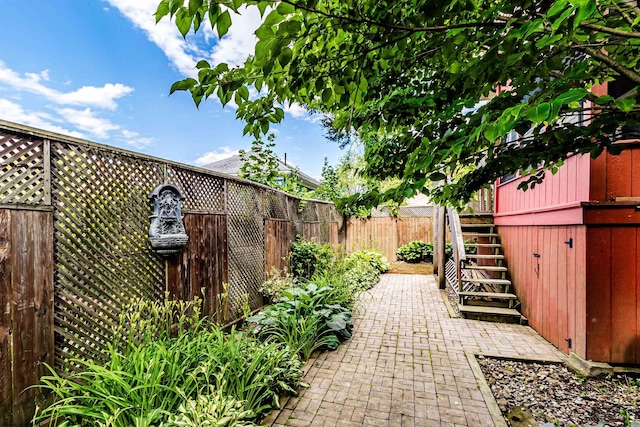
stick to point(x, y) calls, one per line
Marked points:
point(612, 63)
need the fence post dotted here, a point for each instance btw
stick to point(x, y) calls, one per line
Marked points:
point(439, 243)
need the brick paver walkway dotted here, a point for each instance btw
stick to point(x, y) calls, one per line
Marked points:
point(406, 363)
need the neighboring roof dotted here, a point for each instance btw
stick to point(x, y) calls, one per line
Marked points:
point(232, 165)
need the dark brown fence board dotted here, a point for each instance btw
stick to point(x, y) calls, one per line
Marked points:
point(32, 301)
point(202, 266)
point(6, 389)
point(278, 243)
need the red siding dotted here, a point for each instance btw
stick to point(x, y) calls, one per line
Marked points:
point(613, 264)
point(567, 186)
point(615, 176)
point(551, 288)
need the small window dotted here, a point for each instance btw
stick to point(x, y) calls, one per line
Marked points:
point(510, 140)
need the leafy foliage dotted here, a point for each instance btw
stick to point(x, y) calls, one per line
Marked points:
point(375, 258)
point(415, 251)
point(308, 256)
point(277, 282)
point(212, 410)
point(360, 276)
point(145, 382)
point(417, 81)
point(304, 320)
point(260, 164)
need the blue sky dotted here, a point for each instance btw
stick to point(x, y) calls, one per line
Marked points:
point(101, 70)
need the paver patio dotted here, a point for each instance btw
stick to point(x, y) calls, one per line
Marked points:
point(406, 363)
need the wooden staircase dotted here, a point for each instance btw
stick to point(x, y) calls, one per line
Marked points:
point(483, 286)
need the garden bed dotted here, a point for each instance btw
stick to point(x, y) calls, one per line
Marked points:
point(555, 396)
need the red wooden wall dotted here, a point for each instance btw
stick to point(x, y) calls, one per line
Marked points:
point(568, 186)
point(552, 287)
point(613, 309)
point(615, 176)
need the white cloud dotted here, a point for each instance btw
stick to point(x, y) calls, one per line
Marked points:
point(101, 97)
point(297, 111)
point(241, 41)
point(88, 121)
point(135, 140)
point(164, 34)
point(213, 156)
point(233, 49)
point(15, 113)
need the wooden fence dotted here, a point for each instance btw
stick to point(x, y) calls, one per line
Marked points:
point(386, 234)
point(74, 221)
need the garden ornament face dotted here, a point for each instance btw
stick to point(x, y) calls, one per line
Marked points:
point(167, 233)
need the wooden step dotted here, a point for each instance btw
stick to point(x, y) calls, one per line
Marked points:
point(464, 225)
point(497, 295)
point(482, 245)
point(474, 234)
point(485, 268)
point(477, 256)
point(492, 314)
point(488, 281)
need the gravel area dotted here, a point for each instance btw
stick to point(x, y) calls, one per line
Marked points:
point(558, 397)
point(453, 298)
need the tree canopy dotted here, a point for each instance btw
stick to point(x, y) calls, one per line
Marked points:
point(418, 81)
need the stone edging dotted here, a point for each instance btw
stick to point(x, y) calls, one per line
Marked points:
point(447, 304)
point(483, 386)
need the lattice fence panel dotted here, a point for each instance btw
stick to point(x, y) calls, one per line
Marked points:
point(22, 179)
point(246, 245)
point(309, 212)
point(275, 205)
point(102, 255)
point(324, 216)
point(293, 211)
point(203, 193)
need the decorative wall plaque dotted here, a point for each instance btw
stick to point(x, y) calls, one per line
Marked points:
point(167, 233)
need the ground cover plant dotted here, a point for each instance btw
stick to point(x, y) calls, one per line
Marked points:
point(149, 381)
point(304, 320)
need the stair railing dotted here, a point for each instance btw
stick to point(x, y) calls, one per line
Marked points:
point(459, 254)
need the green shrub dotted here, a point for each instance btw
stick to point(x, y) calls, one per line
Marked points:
point(278, 281)
point(372, 256)
point(304, 320)
point(415, 251)
point(308, 256)
point(361, 276)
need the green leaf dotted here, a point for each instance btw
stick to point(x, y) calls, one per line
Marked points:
point(202, 64)
point(162, 10)
point(223, 23)
point(183, 22)
point(625, 104)
point(539, 113)
point(285, 8)
point(585, 8)
point(285, 56)
point(572, 95)
point(327, 93)
point(194, 5)
point(185, 84)
point(437, 176)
